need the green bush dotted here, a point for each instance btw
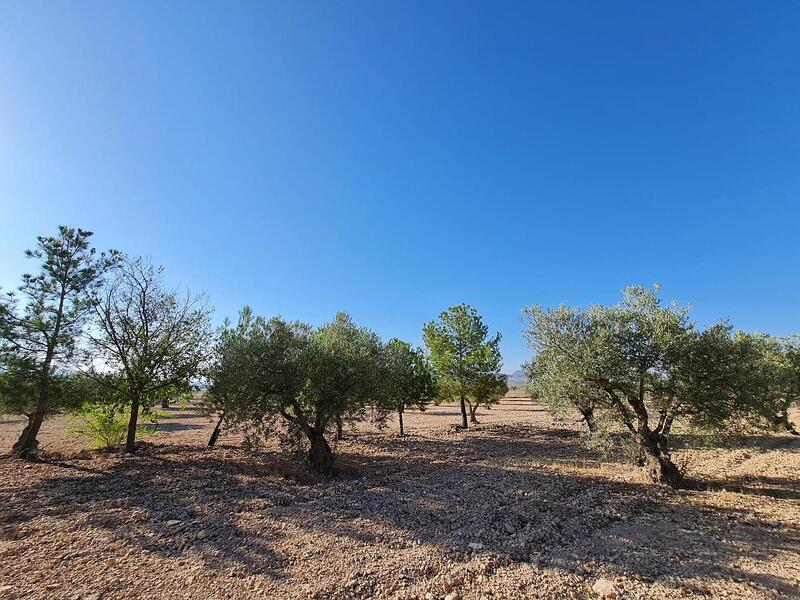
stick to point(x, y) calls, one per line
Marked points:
point(103, 425)
point(107, 427)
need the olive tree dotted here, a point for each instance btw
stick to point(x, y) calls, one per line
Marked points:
point(645, 364)
point(462, 353)
point(774, 370)
point(342, 364)
point(567, 353)
point(226, 377)
point(788, 362)
point(255, 373)
point(407, 378)
point(273, 372)
point(41, 323)
point(485, 391)
point(154, 339)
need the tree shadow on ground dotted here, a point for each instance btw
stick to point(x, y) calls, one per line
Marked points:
point(775, 487)
point(764, 442)
point(157, 501)
point(567, 521)
point(395, 493)
point(173, 426)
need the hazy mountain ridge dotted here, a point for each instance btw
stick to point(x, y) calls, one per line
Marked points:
point(517, 378)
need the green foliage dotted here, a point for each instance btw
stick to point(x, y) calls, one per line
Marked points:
point(486, 390)
point(271, 372)
point(647, 364)
point(44, 328)
point(407, 378)
point(772, 375)
point(466, 360)
point(19, 388)
point(107, 426)
point(104, 425)
point(600, 441)
point(342, 369)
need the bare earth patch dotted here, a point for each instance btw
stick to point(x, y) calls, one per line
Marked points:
point(516, 508)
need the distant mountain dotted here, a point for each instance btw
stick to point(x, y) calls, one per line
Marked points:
point(517, 378)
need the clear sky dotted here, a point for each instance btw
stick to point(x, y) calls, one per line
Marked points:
point(394, 158)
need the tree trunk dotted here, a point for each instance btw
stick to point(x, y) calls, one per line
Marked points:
point(657, 461)
point(320, 457)
point(130, 443)
point(463, 412)
point(339, 432)
point(400, 414)
point(664, 431)
point(472, 410)
point(28, 442)
point(215, 434)
point(782, 420)
point(24, 437)
point(654, 453)
point(165, 402)
point(588, 418)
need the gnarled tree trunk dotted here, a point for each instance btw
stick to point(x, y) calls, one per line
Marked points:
point(782, 420)
point(587, 412)
point(472, 410)
point(27, 442)
point(400, 414)
point(320, 456)
point(659, 465)
point(653, 445)
point(339, 429)
point(656, 459)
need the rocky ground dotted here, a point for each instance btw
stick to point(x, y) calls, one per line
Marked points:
point(516, 508)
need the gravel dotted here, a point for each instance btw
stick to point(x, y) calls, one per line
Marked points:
point(516, 508)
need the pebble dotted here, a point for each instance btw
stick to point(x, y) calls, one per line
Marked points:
point(605, 588)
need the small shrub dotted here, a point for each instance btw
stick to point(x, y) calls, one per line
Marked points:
point(103, 425)
point(107, 427)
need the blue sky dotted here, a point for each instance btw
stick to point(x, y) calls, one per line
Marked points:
point(392, 159)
